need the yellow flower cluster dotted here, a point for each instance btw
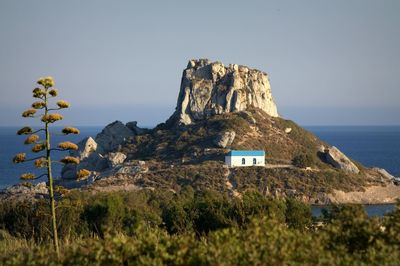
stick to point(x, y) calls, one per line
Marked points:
point(63, 104)
point(53, 92)
point(24, 131)
point(31, 139)
point(40, 163)
point(19, 158)
point(46, 82)
point(82, 174)
point(38, 93)
point(51, 118)
point(29, 113)
point(70, 130)
point(69, 159)
point(38, 147)
point(67, 145)
point(38, 105)
point(27, 176)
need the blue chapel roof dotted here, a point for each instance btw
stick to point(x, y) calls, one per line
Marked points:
point(246, 153)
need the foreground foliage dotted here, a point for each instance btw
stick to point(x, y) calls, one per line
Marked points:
point(195, 228)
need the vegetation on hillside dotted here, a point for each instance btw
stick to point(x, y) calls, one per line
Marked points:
point(198, 161)
point(195, 228)
point(254, 130)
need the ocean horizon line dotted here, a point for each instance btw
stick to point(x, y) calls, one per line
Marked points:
point(152, 126)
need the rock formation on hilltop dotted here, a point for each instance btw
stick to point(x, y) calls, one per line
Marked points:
point(210, 88)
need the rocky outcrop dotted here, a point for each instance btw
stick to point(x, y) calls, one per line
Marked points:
point(225, 139)
point(137, 130)
point(115, 159)
point(288, 130)
point(85, 148)
point(24, 192)
point(210, 88)
point(99, 154)
point(113, 135)
point(338, 160)
point(132, 168)
point(384, 173)
point(89, 154)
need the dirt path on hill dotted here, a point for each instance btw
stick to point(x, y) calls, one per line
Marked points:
point(231, 184)
point(273, 166)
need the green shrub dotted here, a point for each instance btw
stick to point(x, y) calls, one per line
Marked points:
point(298, 214)
point(195, 228)
point(104, 214)
point(303, 160)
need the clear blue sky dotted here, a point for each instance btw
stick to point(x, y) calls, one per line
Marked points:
point(330, 62)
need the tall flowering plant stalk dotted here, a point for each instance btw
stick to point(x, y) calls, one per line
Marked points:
point(48, 115)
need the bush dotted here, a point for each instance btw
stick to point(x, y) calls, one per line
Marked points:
point(298, 214)
point(256, 230)
point(303, 160)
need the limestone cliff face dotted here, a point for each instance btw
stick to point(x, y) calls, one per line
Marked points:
point(210, 88)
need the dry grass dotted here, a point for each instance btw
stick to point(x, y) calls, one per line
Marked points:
point(10, 245)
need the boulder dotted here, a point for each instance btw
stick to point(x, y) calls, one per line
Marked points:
point(90, 158)
point(115, 159)
point(384, 173)
point(336, 158)
point(113, 135)
point(225, 139)
point(132, 168)
point(210, 88)
point(133, 126)
point(86, 147)
point(288, 130)
point(39, 188)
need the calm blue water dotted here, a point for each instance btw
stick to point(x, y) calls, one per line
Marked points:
point(371, 145)
point(11, 143)
point(372, 210)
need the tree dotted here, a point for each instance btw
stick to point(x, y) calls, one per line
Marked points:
point(44, 93)
point(298, 214)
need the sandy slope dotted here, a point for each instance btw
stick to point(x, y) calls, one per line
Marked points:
point(371, 195)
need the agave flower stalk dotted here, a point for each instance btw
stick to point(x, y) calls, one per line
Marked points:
point(43, 147)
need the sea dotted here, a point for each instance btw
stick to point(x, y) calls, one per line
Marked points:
point(11, 144)
point(373, 146)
